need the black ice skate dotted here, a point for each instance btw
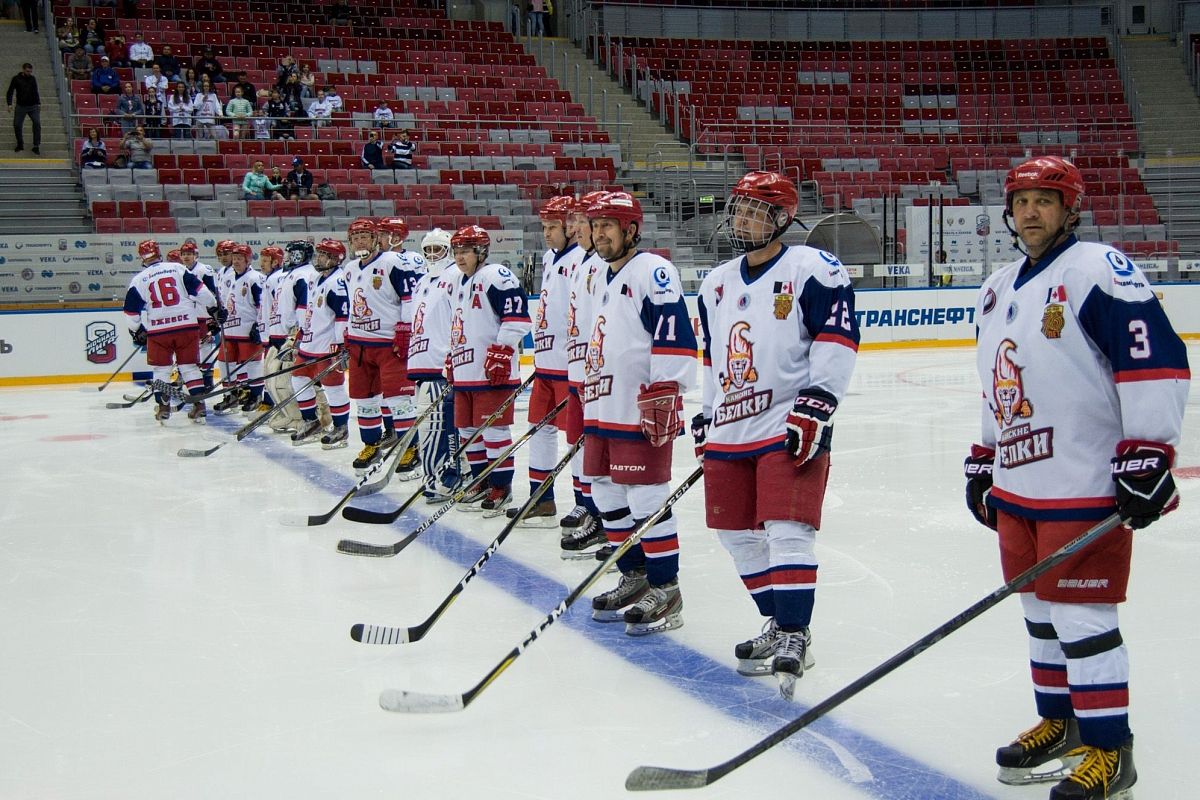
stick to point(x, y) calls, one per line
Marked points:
point(791, 659)
point(1049, 740)
point(471, 499)
point(497, 498)
point(1100, 775)
point(310, 431)
point(542, 515)
point(610, 606)
point(754, 655)
point(197, 413)
point(229, 404)
point(582, 541)
point(250, 405)
point(575, 517)
point(369, 454)
point(659, 610)
point(409, 466)
point(336, 438)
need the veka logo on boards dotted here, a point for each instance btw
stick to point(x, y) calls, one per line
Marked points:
point(100, 342)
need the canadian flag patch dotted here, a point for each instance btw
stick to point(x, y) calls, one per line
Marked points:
point(1057, 295)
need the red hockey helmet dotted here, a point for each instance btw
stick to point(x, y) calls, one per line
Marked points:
point(225, 246)
point(771, 188)
point(274, 253)
point(760, 208)
point(188, 247)
point(581, 205)
point(557, 209)
point(621, 206)
point(242, 250)
point(334, 249)
point(362, 225)
point(148, 249)
point(1046, 172)
point(393, 226)
point(470, 236)
point(172, 255)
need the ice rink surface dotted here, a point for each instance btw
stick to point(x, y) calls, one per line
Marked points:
point(164, 636)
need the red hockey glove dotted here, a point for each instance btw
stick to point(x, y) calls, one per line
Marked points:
point(809, 431)
point(660, 406)
point(700, 425)
point(1145, 488)
point(400, 340)
point(978, 469)
point(497, 364)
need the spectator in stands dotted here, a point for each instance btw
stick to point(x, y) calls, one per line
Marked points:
point(299, 181)
point(68, 37)
point(207, 109)
point(285, 69)
point(308, 82)
point(24, 89)
point(402, 148)
point(180, 109)
point(92, 153)
point(239, 109)
point(335, 99)
point(514, 17)
point(537, 17)
point(319, 110)
point(290, 91)
point(383, 115)
point(256, 185)
point(129, 109)
point(138, 149)
point(191, 83)
point(208, 65)
point(372, 154)
point(155, 120)
point(169, 64)
point(105, 79)
point(262, 124)
point(79, 67)
point(338, 14)
point(248, 90)
point(93, 38)
point(116, 50)
point(141, 54)
point(280, 115)
point(156, 83)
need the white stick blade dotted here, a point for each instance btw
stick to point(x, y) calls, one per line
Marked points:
point(294, 521)
point(652, 779)
point(419, 703)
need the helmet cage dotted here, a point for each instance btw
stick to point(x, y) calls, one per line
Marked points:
point(770, 220)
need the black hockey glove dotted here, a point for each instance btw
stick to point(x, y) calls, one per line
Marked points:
point(214, 326)
point(700, 425)
point(255, 336)
point(219, 313)
point(139, 336)
point(1145, 488)
point(809, 431)
point(978, 469)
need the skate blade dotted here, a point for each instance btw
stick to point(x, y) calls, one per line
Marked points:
point(303, 442)
point(578, 555)
point(1026, 776)
point(489, 513)
point(615, 615)
point(753, 667)
point(200, 421)
point(787, 685)
point(334, 446)
point(667, 623)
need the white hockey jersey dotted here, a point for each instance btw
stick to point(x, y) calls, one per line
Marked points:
point(270, 319)
point(432, 299)
point(791, 327)
point(1074, 355)
point(323, 326)
point(381, 295)
point(241, 296)
point(207, 276)
point(160, 298)
point(294, 289)
point(641, 334)
point(550, 322)
point(584, 280)
point(489, 307)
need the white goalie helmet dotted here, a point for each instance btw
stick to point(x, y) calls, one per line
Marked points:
point(436, 248)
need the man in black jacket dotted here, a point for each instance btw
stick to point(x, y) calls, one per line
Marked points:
point(29, 104)
point(299, 181)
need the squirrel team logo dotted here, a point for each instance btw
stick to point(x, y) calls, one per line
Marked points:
point(100, 342)
point(361, 309)
point(541, 315)
point(572, 328)
point(456, 328)
point(739, 359)
point(594, 360)
point(1008, 391)
point(418, 323)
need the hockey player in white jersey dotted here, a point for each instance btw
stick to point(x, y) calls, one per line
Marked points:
point(323, 332)
point(209, 330)
point(270, 259)
point(489, 318)
point(239, 289)
point(393, 232)
point(160, 312)
point(1084, 385)
point(550, 350)
point(295, 282)
point(428, 346)
point(641, 358)
point(780, 341)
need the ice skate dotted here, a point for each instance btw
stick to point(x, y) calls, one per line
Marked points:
point(229, 404)
point(281, 424)
point(1099, 775)
point(471, 499)
point(610, 606)
point(754, 655)
point(369, 454)
point(336, 438)
point(409, 465)
point(388, 439)
point(310, 431)
point(582, 541)
point(659, 610)
point(1049, 740)
point(250, 405)
point(198, 413)
point(162, 413)
point(542, 515)
point(575, 517)
point(497, 498)
point(791, 659)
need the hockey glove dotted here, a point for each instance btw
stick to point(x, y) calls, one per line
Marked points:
point(219, 313)
point(660, 406)
point(139, 336)
point(448, 369)
point(497, 364)
point(978, 469)
point(1145, 488)
point(400, 340)
point(255, 336)
point(700, 425)
point(809, 431)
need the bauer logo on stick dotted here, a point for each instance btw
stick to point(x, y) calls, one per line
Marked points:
point(100, 342)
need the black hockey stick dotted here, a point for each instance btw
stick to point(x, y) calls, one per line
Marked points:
point(227, 386)
point(418, 702)
point(113, 377)
point(365, 485)
point(382, 634)
point(659, 778)
point(388, 517)
point(354, 548)
point(254, 424)
point(141, 398)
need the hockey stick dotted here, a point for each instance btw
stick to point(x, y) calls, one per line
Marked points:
point(659, 778)
point(365, 485)
point(388, 517)
point(351, 547)
point(113, 377)
point(227, 386)
point(254, 424)
point(381, 634)
point(141, 398)
point(418, 702)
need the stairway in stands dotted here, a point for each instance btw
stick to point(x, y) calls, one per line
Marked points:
point(1169, 106)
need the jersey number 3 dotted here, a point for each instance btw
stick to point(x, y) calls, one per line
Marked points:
point(1141, 339)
